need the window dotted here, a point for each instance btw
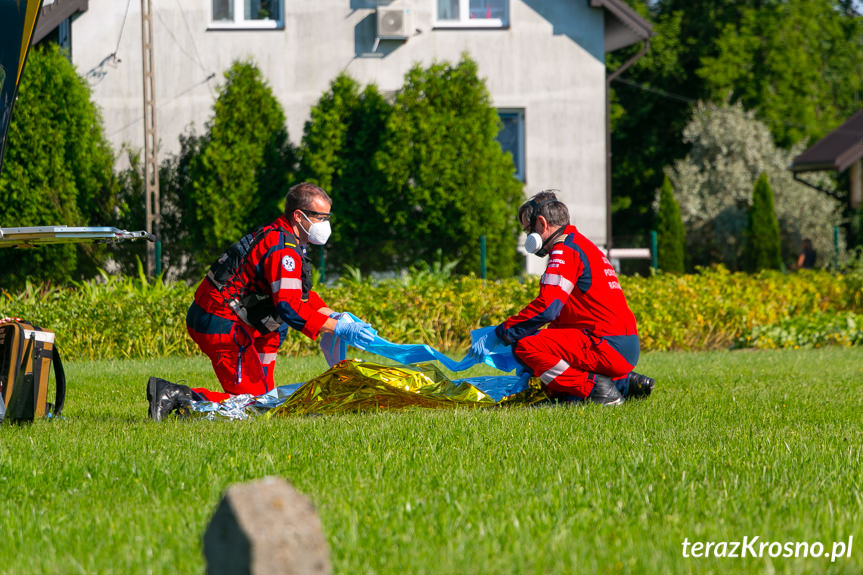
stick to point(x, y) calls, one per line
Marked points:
point(473, 13)
point(511, 138)
point(247, 14)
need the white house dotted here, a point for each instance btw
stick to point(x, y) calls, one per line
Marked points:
point(543, 62)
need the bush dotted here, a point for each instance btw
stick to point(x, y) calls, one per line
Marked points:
point(810, 330)
point(113, 317)
point(437, 179)
point(713, 309)
point(729, 150)
point(710, 309)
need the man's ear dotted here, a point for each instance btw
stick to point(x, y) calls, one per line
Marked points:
point(542, 224)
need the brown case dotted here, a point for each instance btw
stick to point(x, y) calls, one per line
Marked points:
point(26, 355)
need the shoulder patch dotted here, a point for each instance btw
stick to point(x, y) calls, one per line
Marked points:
point(289, 263)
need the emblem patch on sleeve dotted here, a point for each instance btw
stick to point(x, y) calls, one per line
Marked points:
point(288, 263)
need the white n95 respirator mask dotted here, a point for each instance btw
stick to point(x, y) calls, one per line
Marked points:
point(319, 232)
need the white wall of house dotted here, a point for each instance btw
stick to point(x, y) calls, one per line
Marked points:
point(548, 62)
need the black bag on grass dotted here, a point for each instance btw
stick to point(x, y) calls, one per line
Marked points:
point(27, 353)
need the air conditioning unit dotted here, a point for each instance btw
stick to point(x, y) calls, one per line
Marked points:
point(393, 23)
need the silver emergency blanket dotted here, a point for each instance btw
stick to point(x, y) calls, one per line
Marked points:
point(352, 385)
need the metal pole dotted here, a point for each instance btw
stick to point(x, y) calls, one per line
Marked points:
point(654, 252)
point(151, 165)
point(158, 270)
point(836, 248)
point(482, 270)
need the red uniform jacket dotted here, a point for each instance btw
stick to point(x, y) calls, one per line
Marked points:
point(579, 290)
point(274, 267)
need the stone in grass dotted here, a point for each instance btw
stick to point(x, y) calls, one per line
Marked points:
point(266, 526)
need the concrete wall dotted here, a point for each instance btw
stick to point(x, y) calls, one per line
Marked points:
point(549, 62)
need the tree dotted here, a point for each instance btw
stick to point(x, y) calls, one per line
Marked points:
point(179, 241)
point(346, 128)
point(450, 180)
point(671, 235)
point(130, 213)
point(796, 63)
point(652, 100)
point(729, 150)
point(235, 176)
point(58, 170)
point(179, 204)
point(762, 246)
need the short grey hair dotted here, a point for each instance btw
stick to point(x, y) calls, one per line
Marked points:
point(544, 204)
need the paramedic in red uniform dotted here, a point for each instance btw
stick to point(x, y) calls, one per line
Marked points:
point(258, 289)
point(589, 344)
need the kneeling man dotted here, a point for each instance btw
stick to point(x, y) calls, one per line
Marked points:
point(589, 345)
point(258, 289)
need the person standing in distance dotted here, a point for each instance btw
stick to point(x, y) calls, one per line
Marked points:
point(807, 257)
point(579, 335)
point(258, 289)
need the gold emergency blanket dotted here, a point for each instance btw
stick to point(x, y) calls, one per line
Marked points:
point(354, 385)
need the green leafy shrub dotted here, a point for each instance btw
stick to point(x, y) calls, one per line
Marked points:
point(417, 176)
point(811, 330)
point(113, 317)
point(712, 309)
point(852, 278)
point(708, 310)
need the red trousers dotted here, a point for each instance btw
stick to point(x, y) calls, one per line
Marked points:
point(243, 359)
point(563, 359)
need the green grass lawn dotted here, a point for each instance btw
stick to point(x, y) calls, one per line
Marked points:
point(730, 445)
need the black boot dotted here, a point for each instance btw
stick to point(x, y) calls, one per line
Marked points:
point(604, 391)
point(165, 397)
point(640, 385)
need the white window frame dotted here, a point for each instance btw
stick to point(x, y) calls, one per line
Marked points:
point(521, 159)
point(239, 21)
point(465, 21)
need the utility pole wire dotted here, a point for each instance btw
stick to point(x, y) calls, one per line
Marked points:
point(177, 43)
point(679, 98)
point(191, 36)
point(161, 104)
point(656, 91)
point(122, 28)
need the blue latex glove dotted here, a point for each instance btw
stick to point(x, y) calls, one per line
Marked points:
point(484, 345)
point(356, 333)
